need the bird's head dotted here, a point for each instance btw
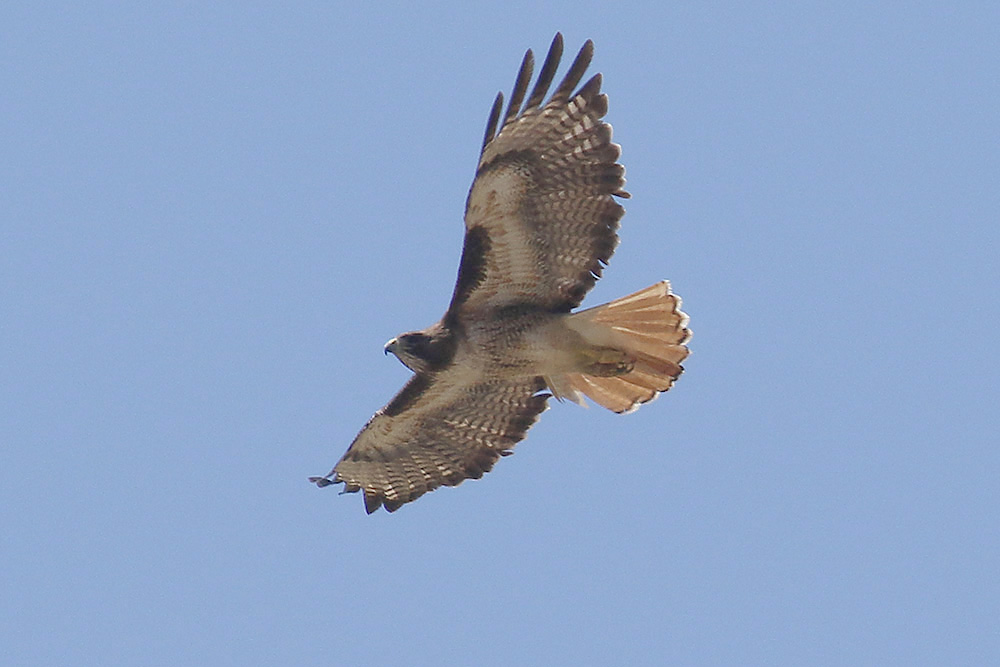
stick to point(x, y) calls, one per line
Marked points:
point(422, 351)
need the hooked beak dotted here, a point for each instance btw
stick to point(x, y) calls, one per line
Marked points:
point(390, 346)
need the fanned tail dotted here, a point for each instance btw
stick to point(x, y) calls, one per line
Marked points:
point(650, 328)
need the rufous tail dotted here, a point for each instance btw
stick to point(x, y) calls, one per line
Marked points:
point(650, 329)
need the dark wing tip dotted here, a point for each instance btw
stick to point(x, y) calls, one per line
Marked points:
point(491, 124)
point(321, 481)
point(520, 86)
point(547, 74)
point(575, 73)
point(545, 77)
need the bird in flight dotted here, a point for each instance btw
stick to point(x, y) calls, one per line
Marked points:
point(541, 222)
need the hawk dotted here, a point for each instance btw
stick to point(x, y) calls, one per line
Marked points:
point(541, 222)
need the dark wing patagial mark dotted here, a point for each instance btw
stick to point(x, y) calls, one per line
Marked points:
point(471, 271)
point(408, 395)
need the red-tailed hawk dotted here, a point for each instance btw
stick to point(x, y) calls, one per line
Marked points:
point(540, 224)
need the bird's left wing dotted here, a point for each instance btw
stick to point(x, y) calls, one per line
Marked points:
point(439, 430)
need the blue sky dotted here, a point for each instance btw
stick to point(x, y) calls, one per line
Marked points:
point(213, 216)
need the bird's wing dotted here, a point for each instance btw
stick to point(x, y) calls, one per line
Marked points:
point(541, 218)
point(438, 430)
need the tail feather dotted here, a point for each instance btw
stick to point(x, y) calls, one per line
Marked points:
point(650, 327)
